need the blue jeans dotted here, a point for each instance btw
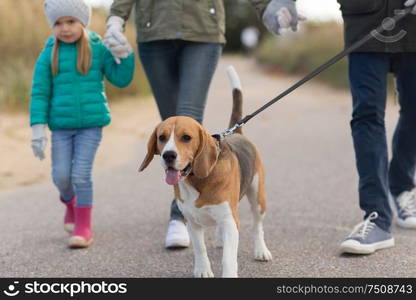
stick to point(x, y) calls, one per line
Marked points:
point(73, 153)
point(180, 73)
point(368, 78)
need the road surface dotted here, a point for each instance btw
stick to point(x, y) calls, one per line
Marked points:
point(311, 184)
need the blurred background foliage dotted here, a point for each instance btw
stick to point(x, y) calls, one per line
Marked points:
point(23, 32)
point(302, 52)
point(292, 53)
point(239, 14)
point(22, 38)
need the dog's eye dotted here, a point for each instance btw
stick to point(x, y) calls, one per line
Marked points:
point(162, 138)
point(186, 138)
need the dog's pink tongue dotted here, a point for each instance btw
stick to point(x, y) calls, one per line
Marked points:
point(172, 176)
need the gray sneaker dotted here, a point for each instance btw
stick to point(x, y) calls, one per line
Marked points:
point(367, 237)
point(406, 209)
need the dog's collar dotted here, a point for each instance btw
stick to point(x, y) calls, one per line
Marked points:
point(218, 139)
point(187, 170)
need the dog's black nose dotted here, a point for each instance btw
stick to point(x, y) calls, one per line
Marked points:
point(169, 156)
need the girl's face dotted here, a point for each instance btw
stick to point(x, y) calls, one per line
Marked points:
point(68, 29)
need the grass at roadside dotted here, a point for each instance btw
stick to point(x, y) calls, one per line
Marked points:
point(302, 52)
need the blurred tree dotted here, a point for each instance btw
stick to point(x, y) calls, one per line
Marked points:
point(239, 15)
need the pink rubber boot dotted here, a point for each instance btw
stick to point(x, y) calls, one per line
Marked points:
point(82, 234)
point(69, 218)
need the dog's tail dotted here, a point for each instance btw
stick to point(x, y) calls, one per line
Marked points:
point(237, 112)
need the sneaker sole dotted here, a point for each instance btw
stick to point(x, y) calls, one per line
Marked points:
point(354, 247)
point(408, 225)
point(176, 244)
point(79, 242)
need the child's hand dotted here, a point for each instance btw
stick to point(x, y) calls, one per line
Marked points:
point(115, 40)
point(39, 140)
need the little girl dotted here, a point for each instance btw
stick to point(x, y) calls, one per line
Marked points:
point(68, 95)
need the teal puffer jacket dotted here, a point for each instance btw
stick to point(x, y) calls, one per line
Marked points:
point(71, 100)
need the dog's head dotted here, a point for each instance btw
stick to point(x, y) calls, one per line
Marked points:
point(184, 146)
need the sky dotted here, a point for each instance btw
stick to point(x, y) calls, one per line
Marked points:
point(321, 10)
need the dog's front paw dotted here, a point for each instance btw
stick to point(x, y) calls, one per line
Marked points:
point(203, 272)
point(262, 254)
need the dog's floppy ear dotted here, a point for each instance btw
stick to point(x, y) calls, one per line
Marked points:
point(151, 150)
point(206, 156)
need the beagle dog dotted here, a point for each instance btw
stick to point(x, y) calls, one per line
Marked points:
point(209, 178)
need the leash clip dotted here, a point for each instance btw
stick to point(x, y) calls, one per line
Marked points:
point(221, 136)
point(230, 131)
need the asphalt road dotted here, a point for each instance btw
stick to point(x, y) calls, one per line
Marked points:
point(311, 185)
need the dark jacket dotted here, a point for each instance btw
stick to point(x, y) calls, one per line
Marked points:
point(362, 16)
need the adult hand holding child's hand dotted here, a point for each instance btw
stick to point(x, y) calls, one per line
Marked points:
point(115, 40)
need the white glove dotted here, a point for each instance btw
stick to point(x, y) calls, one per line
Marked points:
point(115, 40)
point(281, 14)
point(411, 3)
point(39, 140)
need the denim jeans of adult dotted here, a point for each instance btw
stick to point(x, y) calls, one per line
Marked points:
point(368, 77)
point(180, 73)
point(73, 153)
